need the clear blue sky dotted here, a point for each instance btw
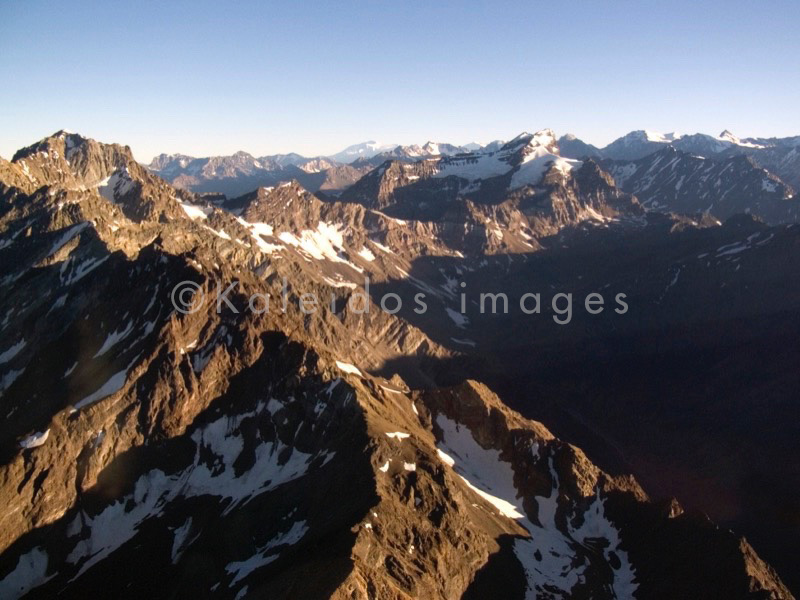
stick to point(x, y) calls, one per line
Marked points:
point(312, 77)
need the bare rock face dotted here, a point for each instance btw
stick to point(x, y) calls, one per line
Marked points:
point(229, 452)
point(68, 161)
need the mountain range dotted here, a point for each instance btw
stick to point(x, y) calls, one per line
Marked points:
point(628, 158)
point(640, 451)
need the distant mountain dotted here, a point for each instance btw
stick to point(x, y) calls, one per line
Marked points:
point(703, 145)
point(171, 163)
point(666, 179)
point(787, 142)
point(292, 158)
point(442, 149)
point(637, 144)
point(363, 150)
point(236, 173)
point(414, 152)
point(241, 172)
point(672, 180)
point(485, 175)
point(571, 147)
point(493, 146)
point(779, 156)
point(314, 165)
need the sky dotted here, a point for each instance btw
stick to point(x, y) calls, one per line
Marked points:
point(206, 78)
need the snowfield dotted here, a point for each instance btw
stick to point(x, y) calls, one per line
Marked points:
point(548, 555)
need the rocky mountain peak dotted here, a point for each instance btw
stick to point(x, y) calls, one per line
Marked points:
point(71, 160)
point(66, 145)
point(438, 148)
point(431, 148)
point(527, 146)
point(170, 162)
point(274, 204)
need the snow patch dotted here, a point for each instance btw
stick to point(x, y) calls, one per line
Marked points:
point(114, 338)
point(459, 319)
point(35, 440)
point(116, 185)
point(12, 352)
point(112, 386)
point(29, 573)
point(267, 554)
point(66, 237)
point(194, 211)
point(366, 254)
point(548, 556)
point(153, 491)
point(348, 368)
point(181, 540)
point(324, 242)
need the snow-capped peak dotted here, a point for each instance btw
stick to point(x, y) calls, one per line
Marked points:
point(362, 150)
point(544, 138)
point(662, 138)
point(522, 138)
point(646, 135)
point(727, 136)
point(528, 156)
point(531, 145)
point(431, 148)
